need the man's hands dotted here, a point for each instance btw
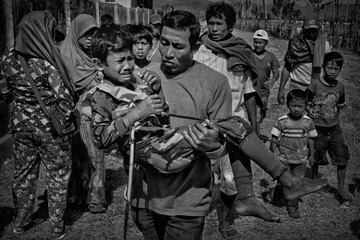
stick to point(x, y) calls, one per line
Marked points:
point(153, 104)
point(149, 78)
point(203, 136)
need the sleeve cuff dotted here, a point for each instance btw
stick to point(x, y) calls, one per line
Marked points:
point(220, 152)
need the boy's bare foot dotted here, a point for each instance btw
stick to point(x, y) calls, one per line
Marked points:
point(296, 187)
point(251, 206)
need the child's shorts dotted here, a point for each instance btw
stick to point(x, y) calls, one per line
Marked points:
point(331, 140)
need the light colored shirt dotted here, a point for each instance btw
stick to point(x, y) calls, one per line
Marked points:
point(238, 85)
point(301, 75)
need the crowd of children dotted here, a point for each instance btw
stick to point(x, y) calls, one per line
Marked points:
point(116, 76)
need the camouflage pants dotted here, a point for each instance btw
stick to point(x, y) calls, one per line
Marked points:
point(31, 149)
point(97, 181)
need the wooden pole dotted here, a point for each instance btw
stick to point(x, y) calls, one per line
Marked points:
point(347, 10)
point(67, 15)
point(116, 14)
point(97, 10)
point(9, 24)
point(265, 14)
point(128, 16)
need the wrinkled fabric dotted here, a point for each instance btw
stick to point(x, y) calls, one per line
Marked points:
point(299, 51)
point(238, 52)
point(169, 152)
point(81, 67)
point(34, 40)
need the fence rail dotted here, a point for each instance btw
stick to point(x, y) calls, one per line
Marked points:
point(340, 35)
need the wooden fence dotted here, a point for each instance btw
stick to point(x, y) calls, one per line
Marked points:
point(340, 35)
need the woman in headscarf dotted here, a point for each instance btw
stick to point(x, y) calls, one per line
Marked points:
point(34, 141)
point(85, 71)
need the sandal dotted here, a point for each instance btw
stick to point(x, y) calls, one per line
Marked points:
point(96, 208)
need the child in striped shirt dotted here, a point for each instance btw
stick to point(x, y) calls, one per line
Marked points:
point(293, 141)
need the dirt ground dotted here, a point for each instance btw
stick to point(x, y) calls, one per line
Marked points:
point(322, 216)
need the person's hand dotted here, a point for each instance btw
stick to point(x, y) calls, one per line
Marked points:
point(150, 78)
point(270, 84)
point(281, 97)
point(203, 136)
point(153, 104)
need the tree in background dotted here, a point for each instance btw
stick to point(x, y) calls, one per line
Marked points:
point(285, 10)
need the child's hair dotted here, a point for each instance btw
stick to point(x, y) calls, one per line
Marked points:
point(139, 32)
point(296, 94)
point(115, 40)
point(333, 57)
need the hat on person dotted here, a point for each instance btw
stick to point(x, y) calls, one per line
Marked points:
point(311, 23)
point(261, 34)
point(155, 19)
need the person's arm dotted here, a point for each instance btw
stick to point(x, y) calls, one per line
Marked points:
point(250, 106)
point(283, 80)
point(107, 130)
point(275, 72)
point(274, 141)
point(311, 144)
point(341, 103)
point(205, 136)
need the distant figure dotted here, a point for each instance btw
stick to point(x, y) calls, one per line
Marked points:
point(299, 59)
point(267, 64)
point(326, 99)
point(155, 24)
point(107, 22)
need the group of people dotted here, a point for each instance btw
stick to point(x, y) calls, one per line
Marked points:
point(195, 99)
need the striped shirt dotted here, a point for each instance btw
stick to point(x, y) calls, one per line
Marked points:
point(294, 134)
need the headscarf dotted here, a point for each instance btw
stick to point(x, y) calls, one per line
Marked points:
point(81, 67)
point(34, 40)
point(237, 51)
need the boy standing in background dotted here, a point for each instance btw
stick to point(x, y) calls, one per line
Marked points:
point(294, 133)
point(326, 98)
point(266, 63)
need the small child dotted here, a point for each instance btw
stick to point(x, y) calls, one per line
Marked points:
point(266, 63)
point(142, 44)
point(293, 141)
point(326, 98)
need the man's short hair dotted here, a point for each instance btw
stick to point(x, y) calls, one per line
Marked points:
point(222, 10)
point(296, 94)
point(333, 57)
point(182, 20)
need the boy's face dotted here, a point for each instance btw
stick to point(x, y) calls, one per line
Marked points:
point(141, 48)
point(122, 62)
point(175, 49)
point(297, 108)
point(331, 70)
point(259, 45)
point(218, 28)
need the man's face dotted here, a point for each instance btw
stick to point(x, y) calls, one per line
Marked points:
point(141, 48)
point(218, 29)
point(332, 70)
point(122, 62)
point(259, 45)
point(175, 50)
